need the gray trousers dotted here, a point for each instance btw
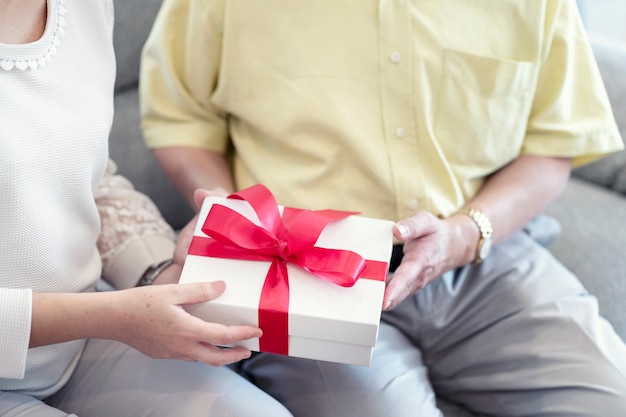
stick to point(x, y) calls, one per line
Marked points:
point(515, 336)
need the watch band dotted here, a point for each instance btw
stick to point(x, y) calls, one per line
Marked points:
point(153, 272)
point(486, 232)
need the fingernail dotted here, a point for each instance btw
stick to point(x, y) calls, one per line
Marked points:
point(388, 304)
point(402, 229)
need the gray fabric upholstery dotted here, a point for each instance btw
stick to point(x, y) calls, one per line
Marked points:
point(592, 242)
point(133, 20)
point(135, 161)
point(591, 213)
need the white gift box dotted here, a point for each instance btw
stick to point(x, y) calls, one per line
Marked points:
point(325, 321)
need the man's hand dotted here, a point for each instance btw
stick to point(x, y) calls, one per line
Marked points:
point(432, 246)
point(186, 234)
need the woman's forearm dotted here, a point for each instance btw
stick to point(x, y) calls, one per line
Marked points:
point(58, 318)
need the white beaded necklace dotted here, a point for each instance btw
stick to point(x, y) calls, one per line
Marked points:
point(55, 40)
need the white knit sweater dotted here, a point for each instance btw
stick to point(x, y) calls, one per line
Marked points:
point(55, 115)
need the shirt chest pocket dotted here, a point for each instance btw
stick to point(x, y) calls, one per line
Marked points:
point(482, 112)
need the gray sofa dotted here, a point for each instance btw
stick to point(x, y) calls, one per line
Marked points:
point(591, 212)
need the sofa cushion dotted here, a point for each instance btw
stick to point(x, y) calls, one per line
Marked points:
point(610, 172)
point(592, 242)
point(133, 21)
point(136, 163)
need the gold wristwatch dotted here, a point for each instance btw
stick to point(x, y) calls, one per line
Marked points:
point(486, 232)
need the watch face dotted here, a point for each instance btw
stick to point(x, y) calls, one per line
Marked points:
point(485, 248)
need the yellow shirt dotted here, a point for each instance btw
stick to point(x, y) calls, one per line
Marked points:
point(382, 107)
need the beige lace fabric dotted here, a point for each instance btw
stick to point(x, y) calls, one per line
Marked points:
point(133, 235)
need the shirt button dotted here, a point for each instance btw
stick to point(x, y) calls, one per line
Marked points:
point(413, 204)
point(400, 132)
point(395, 57)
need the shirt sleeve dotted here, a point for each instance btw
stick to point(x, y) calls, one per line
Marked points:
point(15, 321)
point(178, 76)
point(133, 234)
point(571, 114)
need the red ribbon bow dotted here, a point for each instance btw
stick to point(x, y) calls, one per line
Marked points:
point(280, 240)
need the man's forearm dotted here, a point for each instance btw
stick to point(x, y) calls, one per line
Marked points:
point(193, 168)
point(520, 191)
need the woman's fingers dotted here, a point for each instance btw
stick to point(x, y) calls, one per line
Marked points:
point(215, 344)
point(194, 293)
point(219, 356)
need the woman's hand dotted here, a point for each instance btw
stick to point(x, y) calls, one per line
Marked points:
point(153, 321)
point(432, 246)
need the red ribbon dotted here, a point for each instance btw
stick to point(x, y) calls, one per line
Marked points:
point(280, 240)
